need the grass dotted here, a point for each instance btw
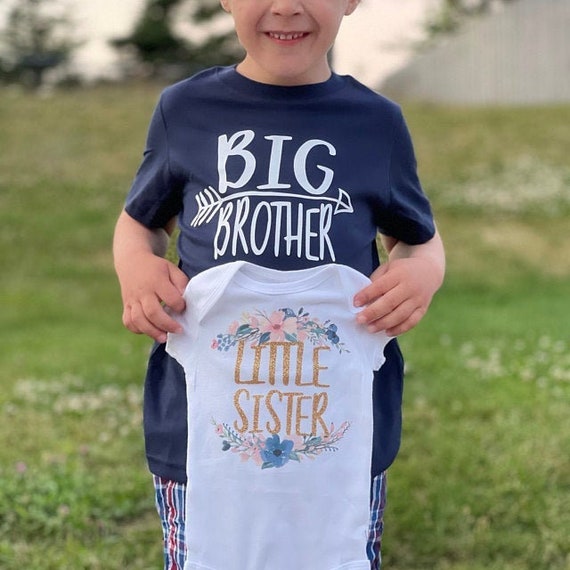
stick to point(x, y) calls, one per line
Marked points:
point(482, 480)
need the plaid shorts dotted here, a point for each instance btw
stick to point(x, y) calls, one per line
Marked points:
point(170, 499)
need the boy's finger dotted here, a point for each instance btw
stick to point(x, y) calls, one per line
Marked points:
point(171, 297)
point(368, 294)
point(135, 320)
point(392, 319)
point(155, 316)
point(381, 307)
point(382, 283)
point(171, 294)
point(154, 333)
point(178, 278)
point(406, 325)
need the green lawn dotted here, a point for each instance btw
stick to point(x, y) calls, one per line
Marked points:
point(483, 477)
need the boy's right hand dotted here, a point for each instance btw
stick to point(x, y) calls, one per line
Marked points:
point(151, 288)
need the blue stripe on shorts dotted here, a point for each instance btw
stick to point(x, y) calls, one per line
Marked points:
point(170, 499)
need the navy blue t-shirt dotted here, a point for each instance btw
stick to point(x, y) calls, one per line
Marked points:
point(284, 177)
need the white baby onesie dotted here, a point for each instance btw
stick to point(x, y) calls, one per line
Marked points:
point(279, 387)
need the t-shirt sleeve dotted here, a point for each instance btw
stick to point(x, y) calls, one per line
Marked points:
point(155, 196)
point(409, 217)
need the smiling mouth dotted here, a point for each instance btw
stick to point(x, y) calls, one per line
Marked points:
point(286, 36)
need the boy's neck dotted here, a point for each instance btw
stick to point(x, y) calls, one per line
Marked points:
point(251, 71)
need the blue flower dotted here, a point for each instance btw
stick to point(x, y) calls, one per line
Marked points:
point(331, 334)
point(276, 452)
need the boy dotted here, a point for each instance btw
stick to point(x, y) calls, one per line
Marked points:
point(280, 162)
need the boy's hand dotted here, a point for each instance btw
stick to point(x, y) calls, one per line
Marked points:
point(402, 289)
point(150, 288)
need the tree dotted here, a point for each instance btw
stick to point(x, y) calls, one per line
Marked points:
point(152, 39)
point(451, 14)
point(164, 51)
point(37, 38)
point(221, 47)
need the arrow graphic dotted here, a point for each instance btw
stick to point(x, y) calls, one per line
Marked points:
point(209, 202)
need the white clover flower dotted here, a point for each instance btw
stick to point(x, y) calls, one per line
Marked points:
point(526, 185)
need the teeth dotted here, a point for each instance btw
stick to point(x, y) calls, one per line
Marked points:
point(279, 36)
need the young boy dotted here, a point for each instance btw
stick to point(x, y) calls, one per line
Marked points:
point(282, 163)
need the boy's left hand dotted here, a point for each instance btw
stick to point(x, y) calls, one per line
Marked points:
point(399, 295)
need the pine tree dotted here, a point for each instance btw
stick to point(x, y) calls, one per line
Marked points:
point(37, 38)
point(164, 52)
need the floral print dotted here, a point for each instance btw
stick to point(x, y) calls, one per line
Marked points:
point(269, 449)
point(282, 325)
point(279, 327)
point(272, 451)
point(276, 453)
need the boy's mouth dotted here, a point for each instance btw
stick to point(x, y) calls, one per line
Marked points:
point(286, 36)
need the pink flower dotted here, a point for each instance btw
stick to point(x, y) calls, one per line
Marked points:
point(278, 326)
point(256, 457)
point(219, 429)
point(252, 450)
point(339, 433)
point(233, 328)
point(214, 344)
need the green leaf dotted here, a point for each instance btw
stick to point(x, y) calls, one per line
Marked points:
point(264, 338)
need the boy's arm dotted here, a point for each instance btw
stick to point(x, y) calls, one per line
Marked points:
point(149, 283)
point(402, 289)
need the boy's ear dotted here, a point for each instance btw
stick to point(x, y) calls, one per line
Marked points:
point(225, 5)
